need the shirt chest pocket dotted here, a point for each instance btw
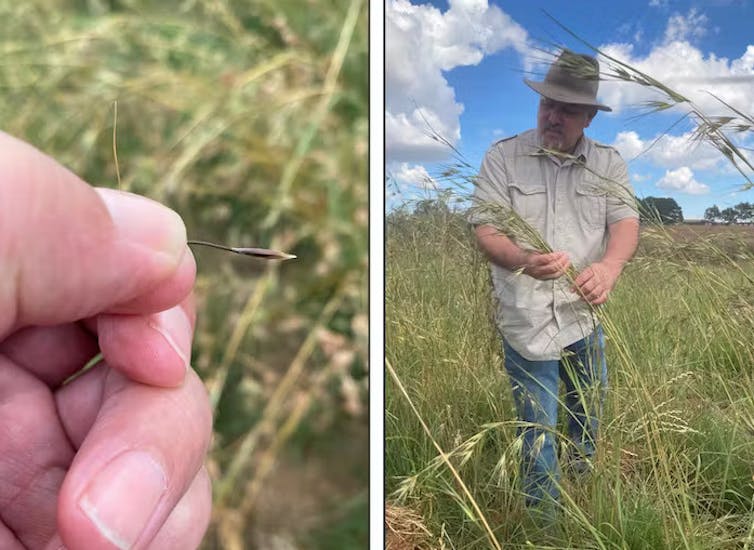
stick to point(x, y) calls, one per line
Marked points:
point(591, 203)
point(529, 200)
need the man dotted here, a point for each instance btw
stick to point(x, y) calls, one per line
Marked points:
point(575, 193)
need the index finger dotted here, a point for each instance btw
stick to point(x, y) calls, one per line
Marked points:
point(583, 277)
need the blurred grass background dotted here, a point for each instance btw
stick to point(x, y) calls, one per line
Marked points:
point(250, 119)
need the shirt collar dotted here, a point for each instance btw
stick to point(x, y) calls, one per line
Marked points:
point(581, 148)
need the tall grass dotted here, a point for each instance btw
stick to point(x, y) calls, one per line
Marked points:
point(674, 468)
point(250, 120)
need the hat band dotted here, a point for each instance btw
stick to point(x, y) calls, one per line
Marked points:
point(565, 94)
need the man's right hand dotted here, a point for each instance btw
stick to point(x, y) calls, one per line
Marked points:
point(546, 266)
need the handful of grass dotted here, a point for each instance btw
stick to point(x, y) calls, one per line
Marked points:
point(509, 223)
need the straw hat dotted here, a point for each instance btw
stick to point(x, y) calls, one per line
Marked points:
point(573, 78)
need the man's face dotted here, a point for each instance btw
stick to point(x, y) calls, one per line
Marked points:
point(560, 125)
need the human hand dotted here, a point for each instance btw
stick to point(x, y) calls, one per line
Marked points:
point(596, 281)
point(546, 266)
point(113, 458)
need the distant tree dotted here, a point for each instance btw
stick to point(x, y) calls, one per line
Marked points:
point(663, 209)
point(729, 215)
point(745, 211)
point(712, 214)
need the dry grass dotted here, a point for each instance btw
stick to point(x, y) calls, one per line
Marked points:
point(703, 244)
point(404, 529)
point(674, 467)
point(685, 233)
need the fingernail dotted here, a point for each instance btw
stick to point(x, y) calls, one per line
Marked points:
point(146, 222)
point(121, 498)
point(175, 327)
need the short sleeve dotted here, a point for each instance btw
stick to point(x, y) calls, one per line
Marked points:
point(621, 199)
point(490, 188)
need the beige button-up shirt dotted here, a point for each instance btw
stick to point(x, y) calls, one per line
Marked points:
point(570, 202)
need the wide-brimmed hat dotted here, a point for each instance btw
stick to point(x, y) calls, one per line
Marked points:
point(573, 78)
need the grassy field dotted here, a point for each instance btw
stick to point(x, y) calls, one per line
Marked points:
point(250, 119)
point(676, 458)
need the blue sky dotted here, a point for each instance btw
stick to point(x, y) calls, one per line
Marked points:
point(460, 64)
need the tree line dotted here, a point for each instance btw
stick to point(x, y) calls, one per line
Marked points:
point(667, 211)
point(742, 212)
point(657, 209)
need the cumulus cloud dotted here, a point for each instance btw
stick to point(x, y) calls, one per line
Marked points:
point(421, 43)
point(414, 175)
point(670, 151)
point(682, 180)
point(682, 66)
point(629, 144)
point(407, 182)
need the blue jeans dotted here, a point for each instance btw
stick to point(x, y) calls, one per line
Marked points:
point(583, 369)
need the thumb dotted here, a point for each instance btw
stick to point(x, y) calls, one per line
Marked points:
point(69, 251)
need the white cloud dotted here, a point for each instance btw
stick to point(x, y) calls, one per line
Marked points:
point(669, 151)
point(658, 3)
point(420, 43)
point(687, 27)
point(406, 183)
point(679, 64)
point(413, 175)
point(629, 144)
point(408, 135)
point(682, 180)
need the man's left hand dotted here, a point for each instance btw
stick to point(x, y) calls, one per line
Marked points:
point(596, 281)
